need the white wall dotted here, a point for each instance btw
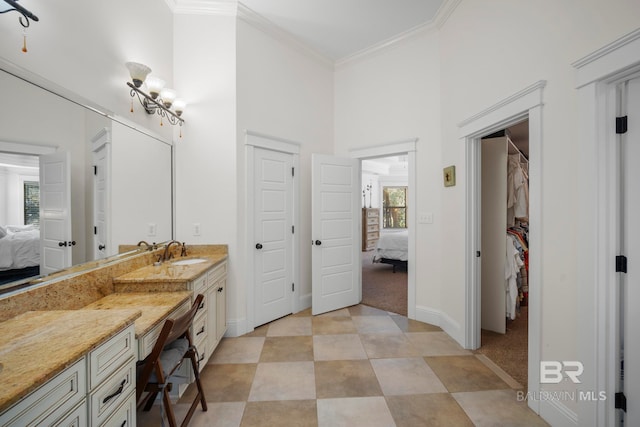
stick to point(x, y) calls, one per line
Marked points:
point(12, 180)
point(389, 96)
point(490, 50)
point(285, 93)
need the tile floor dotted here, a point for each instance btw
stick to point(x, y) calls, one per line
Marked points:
point(358, 366)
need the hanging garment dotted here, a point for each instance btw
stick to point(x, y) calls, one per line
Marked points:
point(511, 269)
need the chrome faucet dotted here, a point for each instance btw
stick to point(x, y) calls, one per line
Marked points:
point(149, 247)
point(167, 255)
point(183, 251)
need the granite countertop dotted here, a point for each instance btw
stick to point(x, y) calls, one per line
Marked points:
point(155, 306)
point(169, 272)
point(37, 345)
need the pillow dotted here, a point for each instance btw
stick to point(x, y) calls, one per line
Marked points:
point(3, 232)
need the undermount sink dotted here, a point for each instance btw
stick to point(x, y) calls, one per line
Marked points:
point(189, 261)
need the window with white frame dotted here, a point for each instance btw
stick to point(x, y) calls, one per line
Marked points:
point(394, 207)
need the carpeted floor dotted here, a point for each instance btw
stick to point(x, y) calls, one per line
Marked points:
point(381, 287)
point(509, 351)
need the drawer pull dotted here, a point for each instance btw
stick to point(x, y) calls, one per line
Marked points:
point(115, 393)
point(220, 289)
point(201, 358)
point(124, 423)
point(201, 306)
point(200, 331)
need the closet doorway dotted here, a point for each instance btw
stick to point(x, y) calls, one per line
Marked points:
point(385, 233)
point(504, 227)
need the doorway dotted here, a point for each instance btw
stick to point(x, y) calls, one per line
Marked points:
point(505, 249)
point(385, 232)
point(406, 151)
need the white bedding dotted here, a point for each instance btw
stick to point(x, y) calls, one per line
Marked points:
point(20, 247)
point(393, 245)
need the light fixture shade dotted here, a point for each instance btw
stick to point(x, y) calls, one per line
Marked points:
point(178, 106)
point(154, 86)
point(138, 72)
point(168, 96)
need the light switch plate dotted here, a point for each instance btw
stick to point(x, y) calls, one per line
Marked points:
point(425, 218)
point(196, 228)
point(151, 229)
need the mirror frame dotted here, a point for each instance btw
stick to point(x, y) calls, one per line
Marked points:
point(54, 89)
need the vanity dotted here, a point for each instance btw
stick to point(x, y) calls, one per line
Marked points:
point(70, 361)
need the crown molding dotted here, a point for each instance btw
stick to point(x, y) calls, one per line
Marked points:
point(444, 12)
point(266, 26)
point(203, 7)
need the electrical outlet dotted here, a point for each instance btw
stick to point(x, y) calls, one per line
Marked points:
point(151, 229)
point(196, 228)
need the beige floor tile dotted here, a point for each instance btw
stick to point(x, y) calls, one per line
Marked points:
point(406, 376)
point(375, 325)
point(298, 413)
point(435, 344)
point(346, 378)
point(497, 408)
point(283, 381)
point(260, 331)
point(365, 310)
point(343, 312)
point(333, 325)
point(338, 347)
point(223, 383)
point(303, 313)
point(427, 410)
point(290, 326)
point(287, 349)
point(410, 325)
point(238, 350)
point(380, 346)
point(464, 373)
point(354, 412)
point(217, 415)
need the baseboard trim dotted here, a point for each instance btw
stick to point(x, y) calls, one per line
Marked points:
point(438, 318)
point(236, 327)
point(557, 414)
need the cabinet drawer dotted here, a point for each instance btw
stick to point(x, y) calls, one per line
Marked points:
point(371, 221)
point(148, 340)
point(110, 356)
point(125, 415)
point(372, 213)
point(199, 331)
point(107, 398)
point(371, 244)
point(76, 418)
point(52, 400)
point(371, 228)
point(199, 284)
point(373, 235)
point(215, 274)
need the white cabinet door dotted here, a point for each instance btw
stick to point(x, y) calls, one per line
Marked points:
point(335, 226)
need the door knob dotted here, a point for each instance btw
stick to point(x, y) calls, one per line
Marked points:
point(72, 243)
point(61, 244)
point(259, 246)
point(101, 247)
point(318, 242)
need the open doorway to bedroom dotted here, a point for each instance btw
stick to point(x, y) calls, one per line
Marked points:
point(19, 217)
point(385, 226)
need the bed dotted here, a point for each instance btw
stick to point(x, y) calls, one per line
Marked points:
point(393, 248)
point(19, 252)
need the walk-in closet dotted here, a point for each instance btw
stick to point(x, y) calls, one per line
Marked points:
point(505, 249)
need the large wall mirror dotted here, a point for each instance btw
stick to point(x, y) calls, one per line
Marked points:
point(75, 183)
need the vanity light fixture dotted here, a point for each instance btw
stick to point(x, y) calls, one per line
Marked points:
point(158, 99)
point(13, 6)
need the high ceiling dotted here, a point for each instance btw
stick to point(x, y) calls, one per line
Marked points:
point(338, 29)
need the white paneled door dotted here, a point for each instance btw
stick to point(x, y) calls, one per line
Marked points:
point(335, 235)
point(55, 212)
point(273, 235)
point(630, 238)
point(101, 159)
